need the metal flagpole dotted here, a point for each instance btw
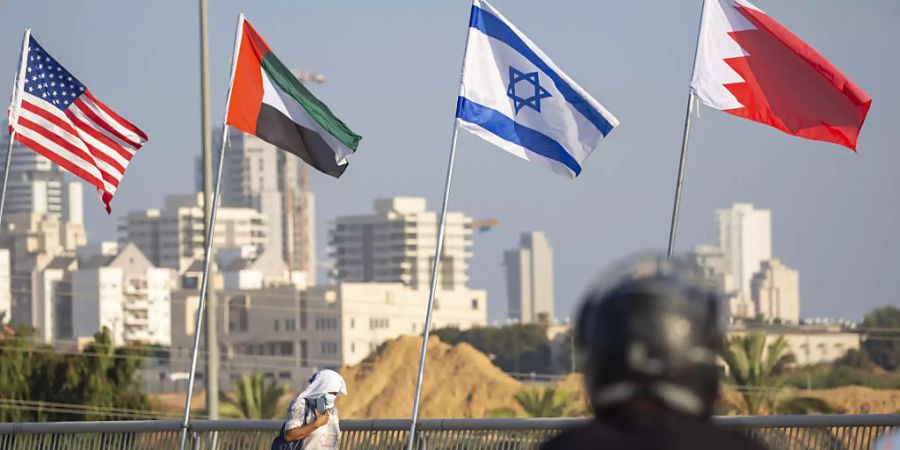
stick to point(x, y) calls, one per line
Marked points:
point(434, 277)
point(12, 137)
point(213, 208)
point(204, 286)
point(679, 184)
point(15, 101)
point(437, 259)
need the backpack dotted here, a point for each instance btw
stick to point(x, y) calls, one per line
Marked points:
point(281, 444)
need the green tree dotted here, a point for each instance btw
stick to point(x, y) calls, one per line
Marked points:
point(882, 328)
point(103, 377)
point(549, 402)
point(516, 348)
point(859, 359)
point(252, 397)
point(754, 367)
point(15, 370)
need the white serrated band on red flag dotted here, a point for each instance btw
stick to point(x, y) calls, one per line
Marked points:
point(715, 46)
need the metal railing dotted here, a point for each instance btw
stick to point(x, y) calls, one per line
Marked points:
point(833, 432)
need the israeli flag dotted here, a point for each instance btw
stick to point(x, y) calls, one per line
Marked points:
point(513, 96)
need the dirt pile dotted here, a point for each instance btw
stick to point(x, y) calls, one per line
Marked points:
point(852, 399)
point(460, 382)
point(859, 399)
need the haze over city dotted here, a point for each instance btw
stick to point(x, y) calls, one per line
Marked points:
point(392, 71)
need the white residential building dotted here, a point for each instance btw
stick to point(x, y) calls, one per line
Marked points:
point(43, 225)
point(745, 237)
point(259, 175)
point(776, 292)
point(251, 267)
point(51, 299)
point(396, 245)
point(709, 261)
point(810, 344)
point(123, 291)
point(173, 237)
point(37, 185)
point(529, 279)
point(287, 332)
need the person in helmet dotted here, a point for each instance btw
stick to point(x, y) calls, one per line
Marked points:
point(648, 335)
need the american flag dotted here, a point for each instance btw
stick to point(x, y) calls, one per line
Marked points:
point(57, 116)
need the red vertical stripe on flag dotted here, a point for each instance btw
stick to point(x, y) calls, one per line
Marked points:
point(247, 88)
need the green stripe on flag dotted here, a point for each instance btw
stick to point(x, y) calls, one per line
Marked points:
point(287, 82)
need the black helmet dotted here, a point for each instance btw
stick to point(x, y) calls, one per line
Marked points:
point(651, 330)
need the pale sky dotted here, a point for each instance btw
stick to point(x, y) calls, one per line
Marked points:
point(393, 68)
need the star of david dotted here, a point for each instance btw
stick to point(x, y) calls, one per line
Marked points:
point(536, 92)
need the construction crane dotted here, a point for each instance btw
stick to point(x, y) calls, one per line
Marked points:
point(292, 205)
point(483, 225)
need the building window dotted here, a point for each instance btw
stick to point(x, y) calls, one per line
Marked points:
point(352, 347)
point(375, 324)
point(352, 323)
point(329, 348)
point(326, 323)
point(276, 324)
point(303, 314)
point(474, 303)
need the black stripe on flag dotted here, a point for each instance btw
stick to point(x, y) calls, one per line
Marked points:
point(279, 130)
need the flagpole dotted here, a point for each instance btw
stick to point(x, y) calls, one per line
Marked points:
point(207, 254)
point(12, 137)
point(439, 246)
point(685, 138)
point(679, 184)
point(434, 277)
point(204, 287)
point(15, 104)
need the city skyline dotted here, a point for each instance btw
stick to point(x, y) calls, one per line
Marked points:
point(829, 223)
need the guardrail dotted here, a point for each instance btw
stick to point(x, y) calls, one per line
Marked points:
point(833, 432)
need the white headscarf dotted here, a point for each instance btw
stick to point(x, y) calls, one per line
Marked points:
point(323, 382)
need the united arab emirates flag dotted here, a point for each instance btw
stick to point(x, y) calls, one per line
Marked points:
point(268, 101)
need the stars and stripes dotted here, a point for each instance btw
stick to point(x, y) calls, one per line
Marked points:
point(55, 115)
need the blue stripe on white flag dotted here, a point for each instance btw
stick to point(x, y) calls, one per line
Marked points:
point(492, 26)
point(505, 128)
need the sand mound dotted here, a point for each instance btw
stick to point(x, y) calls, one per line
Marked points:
point(573, 382)
point(853, 399)
point(859, 399)
point(460, 382)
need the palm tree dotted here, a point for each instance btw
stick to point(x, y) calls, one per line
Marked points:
point(549, 402)
point(753, 367)
point(252, 398)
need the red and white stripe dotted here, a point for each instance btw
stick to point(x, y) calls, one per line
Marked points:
point(87, 139)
